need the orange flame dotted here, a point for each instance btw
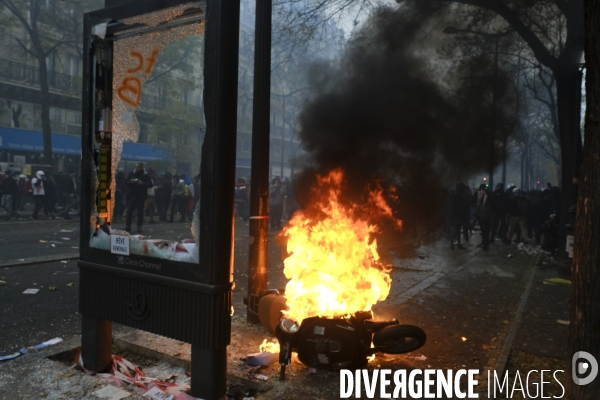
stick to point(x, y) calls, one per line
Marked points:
point(333, 266)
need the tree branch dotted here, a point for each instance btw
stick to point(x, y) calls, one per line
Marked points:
point(511, 17)
point(17, 13)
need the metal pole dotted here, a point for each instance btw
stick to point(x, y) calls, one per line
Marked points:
point(259, 191)
point(493, 127)
point(209, 363)
point(283, 136)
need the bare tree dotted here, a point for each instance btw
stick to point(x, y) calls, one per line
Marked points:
point(584, 332)
point(48, 25)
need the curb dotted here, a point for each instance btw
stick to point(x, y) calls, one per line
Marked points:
point(39, 260)
point(508, 336)
point(27, 220)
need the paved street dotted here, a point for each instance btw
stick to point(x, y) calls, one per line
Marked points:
point(27, 320)
point(478, 309)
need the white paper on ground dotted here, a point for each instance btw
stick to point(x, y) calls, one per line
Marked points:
point(31, 291)
point(157, 394)
point(111, 393)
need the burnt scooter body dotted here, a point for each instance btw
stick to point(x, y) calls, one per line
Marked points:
point(340, 343)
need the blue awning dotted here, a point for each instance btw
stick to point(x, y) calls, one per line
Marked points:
point(26, 140)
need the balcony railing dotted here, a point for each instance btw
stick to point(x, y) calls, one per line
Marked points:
point(24, 73)
point(153, 102)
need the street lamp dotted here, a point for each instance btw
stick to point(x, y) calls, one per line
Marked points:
point(451, 30)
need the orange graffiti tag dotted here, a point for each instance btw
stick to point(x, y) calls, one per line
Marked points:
point(141, 62)
point(151, 62)
point(131, 85)
point(130, 90)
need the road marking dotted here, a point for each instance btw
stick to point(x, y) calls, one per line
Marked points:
point(39, 260)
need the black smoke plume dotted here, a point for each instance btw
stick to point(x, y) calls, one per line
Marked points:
point(380, 116)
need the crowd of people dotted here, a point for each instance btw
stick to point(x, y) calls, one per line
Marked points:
point(161, 197)
point(282, 203)
point(504, 215)
point(47, 192)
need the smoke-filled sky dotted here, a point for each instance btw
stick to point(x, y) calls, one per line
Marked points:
point(378, 114)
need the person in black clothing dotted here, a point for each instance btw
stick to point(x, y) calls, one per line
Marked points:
point(138, 182)
point(68, 188)
point(518, 208)
point(10, 190)
point(456, 210)
point(484, 215)
point(540, 213)
point(50, 198)
point(178, 201)
point(241, 199)
point(499, 200)
point(163, 195)
point(120, 193)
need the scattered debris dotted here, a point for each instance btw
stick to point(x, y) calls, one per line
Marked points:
point(464, 339)
point(65, 238)
point(46, 344)
point(557, 281)
point(43, 241)
point(157, 394)
point(53, 288)
point(111, 393)
point(563, 322)
point(238, 391)
point(261, 377)
point(420, 358)
point(65, 231)
point(26, 350)
point(10, 356)
point(265, 358)
point(31, 291)
point(71, 283)
point(124, 371)
point(64, 262)
point(2, 283)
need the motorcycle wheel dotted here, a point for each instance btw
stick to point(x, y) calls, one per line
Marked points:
point(399, 339)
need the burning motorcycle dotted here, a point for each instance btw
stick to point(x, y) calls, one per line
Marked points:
point(340, 343)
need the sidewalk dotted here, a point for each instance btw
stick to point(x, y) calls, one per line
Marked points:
point(470, 303)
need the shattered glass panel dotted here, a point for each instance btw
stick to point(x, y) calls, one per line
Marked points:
point(157, 133)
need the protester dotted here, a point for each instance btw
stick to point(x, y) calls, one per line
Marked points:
point(484, 215)
point(10, 190)
point(518, 208)
point(178, 199)
point(457, 215)
point(39, 195)
point(162, 195)
point(138, 182)
point(50, 196)
point(150, 204)
point(25, 189)
point(275, 203)
point(120, 194)
point(69, 193)
point(241, 199)
point(499, 222)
